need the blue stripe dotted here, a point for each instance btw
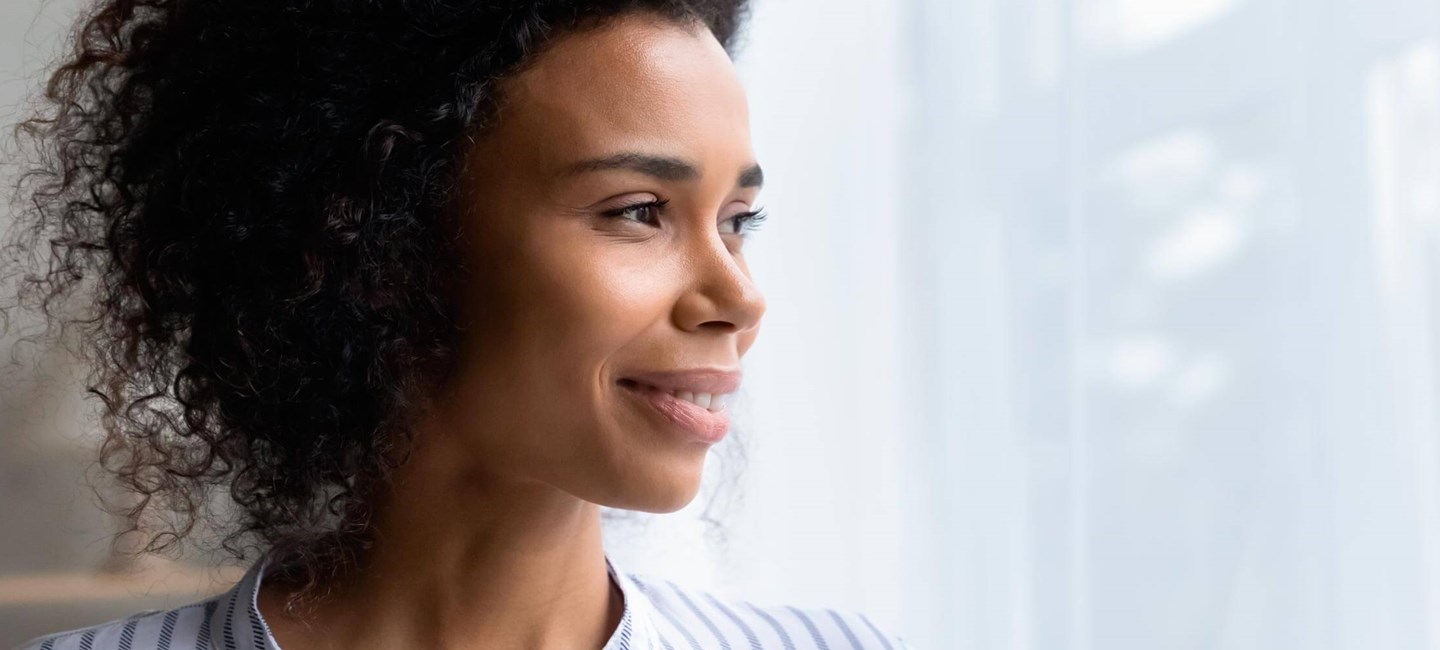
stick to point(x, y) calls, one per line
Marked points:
point(670, 630)
point(204, 639)
point(229, 627)
point(724, 645)
point(809, 625)
point(252, 607)
point(689, 638)
point(673, 621)
point(168, 629)
point(749, 635)
point(849, 636)
point(878, 634)
point(127, 635)
point(663, 642)
point(625, 626)
point(257, 632)
point(779, 629)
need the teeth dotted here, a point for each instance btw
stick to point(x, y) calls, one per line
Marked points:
point(713, 403)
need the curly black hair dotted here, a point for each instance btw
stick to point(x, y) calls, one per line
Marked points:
point(255, 194)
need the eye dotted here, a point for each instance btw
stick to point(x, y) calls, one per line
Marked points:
point(647, 207)
point(746, 222)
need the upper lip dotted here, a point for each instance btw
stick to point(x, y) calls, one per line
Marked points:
point(698, 380)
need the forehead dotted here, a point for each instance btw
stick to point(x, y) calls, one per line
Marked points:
point(637, 83)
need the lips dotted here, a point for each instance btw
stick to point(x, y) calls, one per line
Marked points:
point(677, 414)
point(715, 381)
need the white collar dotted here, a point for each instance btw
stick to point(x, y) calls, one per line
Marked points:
point(235, 620)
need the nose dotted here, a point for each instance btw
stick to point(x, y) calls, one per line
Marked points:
point(719, 293)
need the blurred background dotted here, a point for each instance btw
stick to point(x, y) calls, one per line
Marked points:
point(1092, 324)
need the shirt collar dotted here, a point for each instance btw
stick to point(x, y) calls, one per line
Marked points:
point(636, 630)
point(235, 620)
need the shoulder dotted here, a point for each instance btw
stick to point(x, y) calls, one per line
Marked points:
point(700, 618)
point(182, 628)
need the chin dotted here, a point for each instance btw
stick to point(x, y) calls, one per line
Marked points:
point(662, 490)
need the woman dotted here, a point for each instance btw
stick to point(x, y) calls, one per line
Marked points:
point(421, 284)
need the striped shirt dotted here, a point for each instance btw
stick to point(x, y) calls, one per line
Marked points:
point(658, 615)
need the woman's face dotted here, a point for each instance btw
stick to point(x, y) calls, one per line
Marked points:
point(564, 301)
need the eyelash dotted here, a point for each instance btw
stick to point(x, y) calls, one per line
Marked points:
point(749, 221)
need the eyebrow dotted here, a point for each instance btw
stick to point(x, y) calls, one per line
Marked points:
point(665, 168)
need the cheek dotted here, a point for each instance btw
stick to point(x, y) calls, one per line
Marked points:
point(589, 301)
point(596, 308)
point(614, 300)
point(556, 320)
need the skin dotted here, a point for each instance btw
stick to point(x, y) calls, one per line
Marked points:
point(490, 535)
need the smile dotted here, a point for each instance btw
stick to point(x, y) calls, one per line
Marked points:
point(706, 422)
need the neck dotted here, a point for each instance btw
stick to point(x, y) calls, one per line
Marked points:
point(465, 560)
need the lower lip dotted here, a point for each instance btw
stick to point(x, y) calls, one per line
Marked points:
point(700, 423)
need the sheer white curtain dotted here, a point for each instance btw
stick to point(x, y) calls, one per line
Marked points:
point(1099, 324)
